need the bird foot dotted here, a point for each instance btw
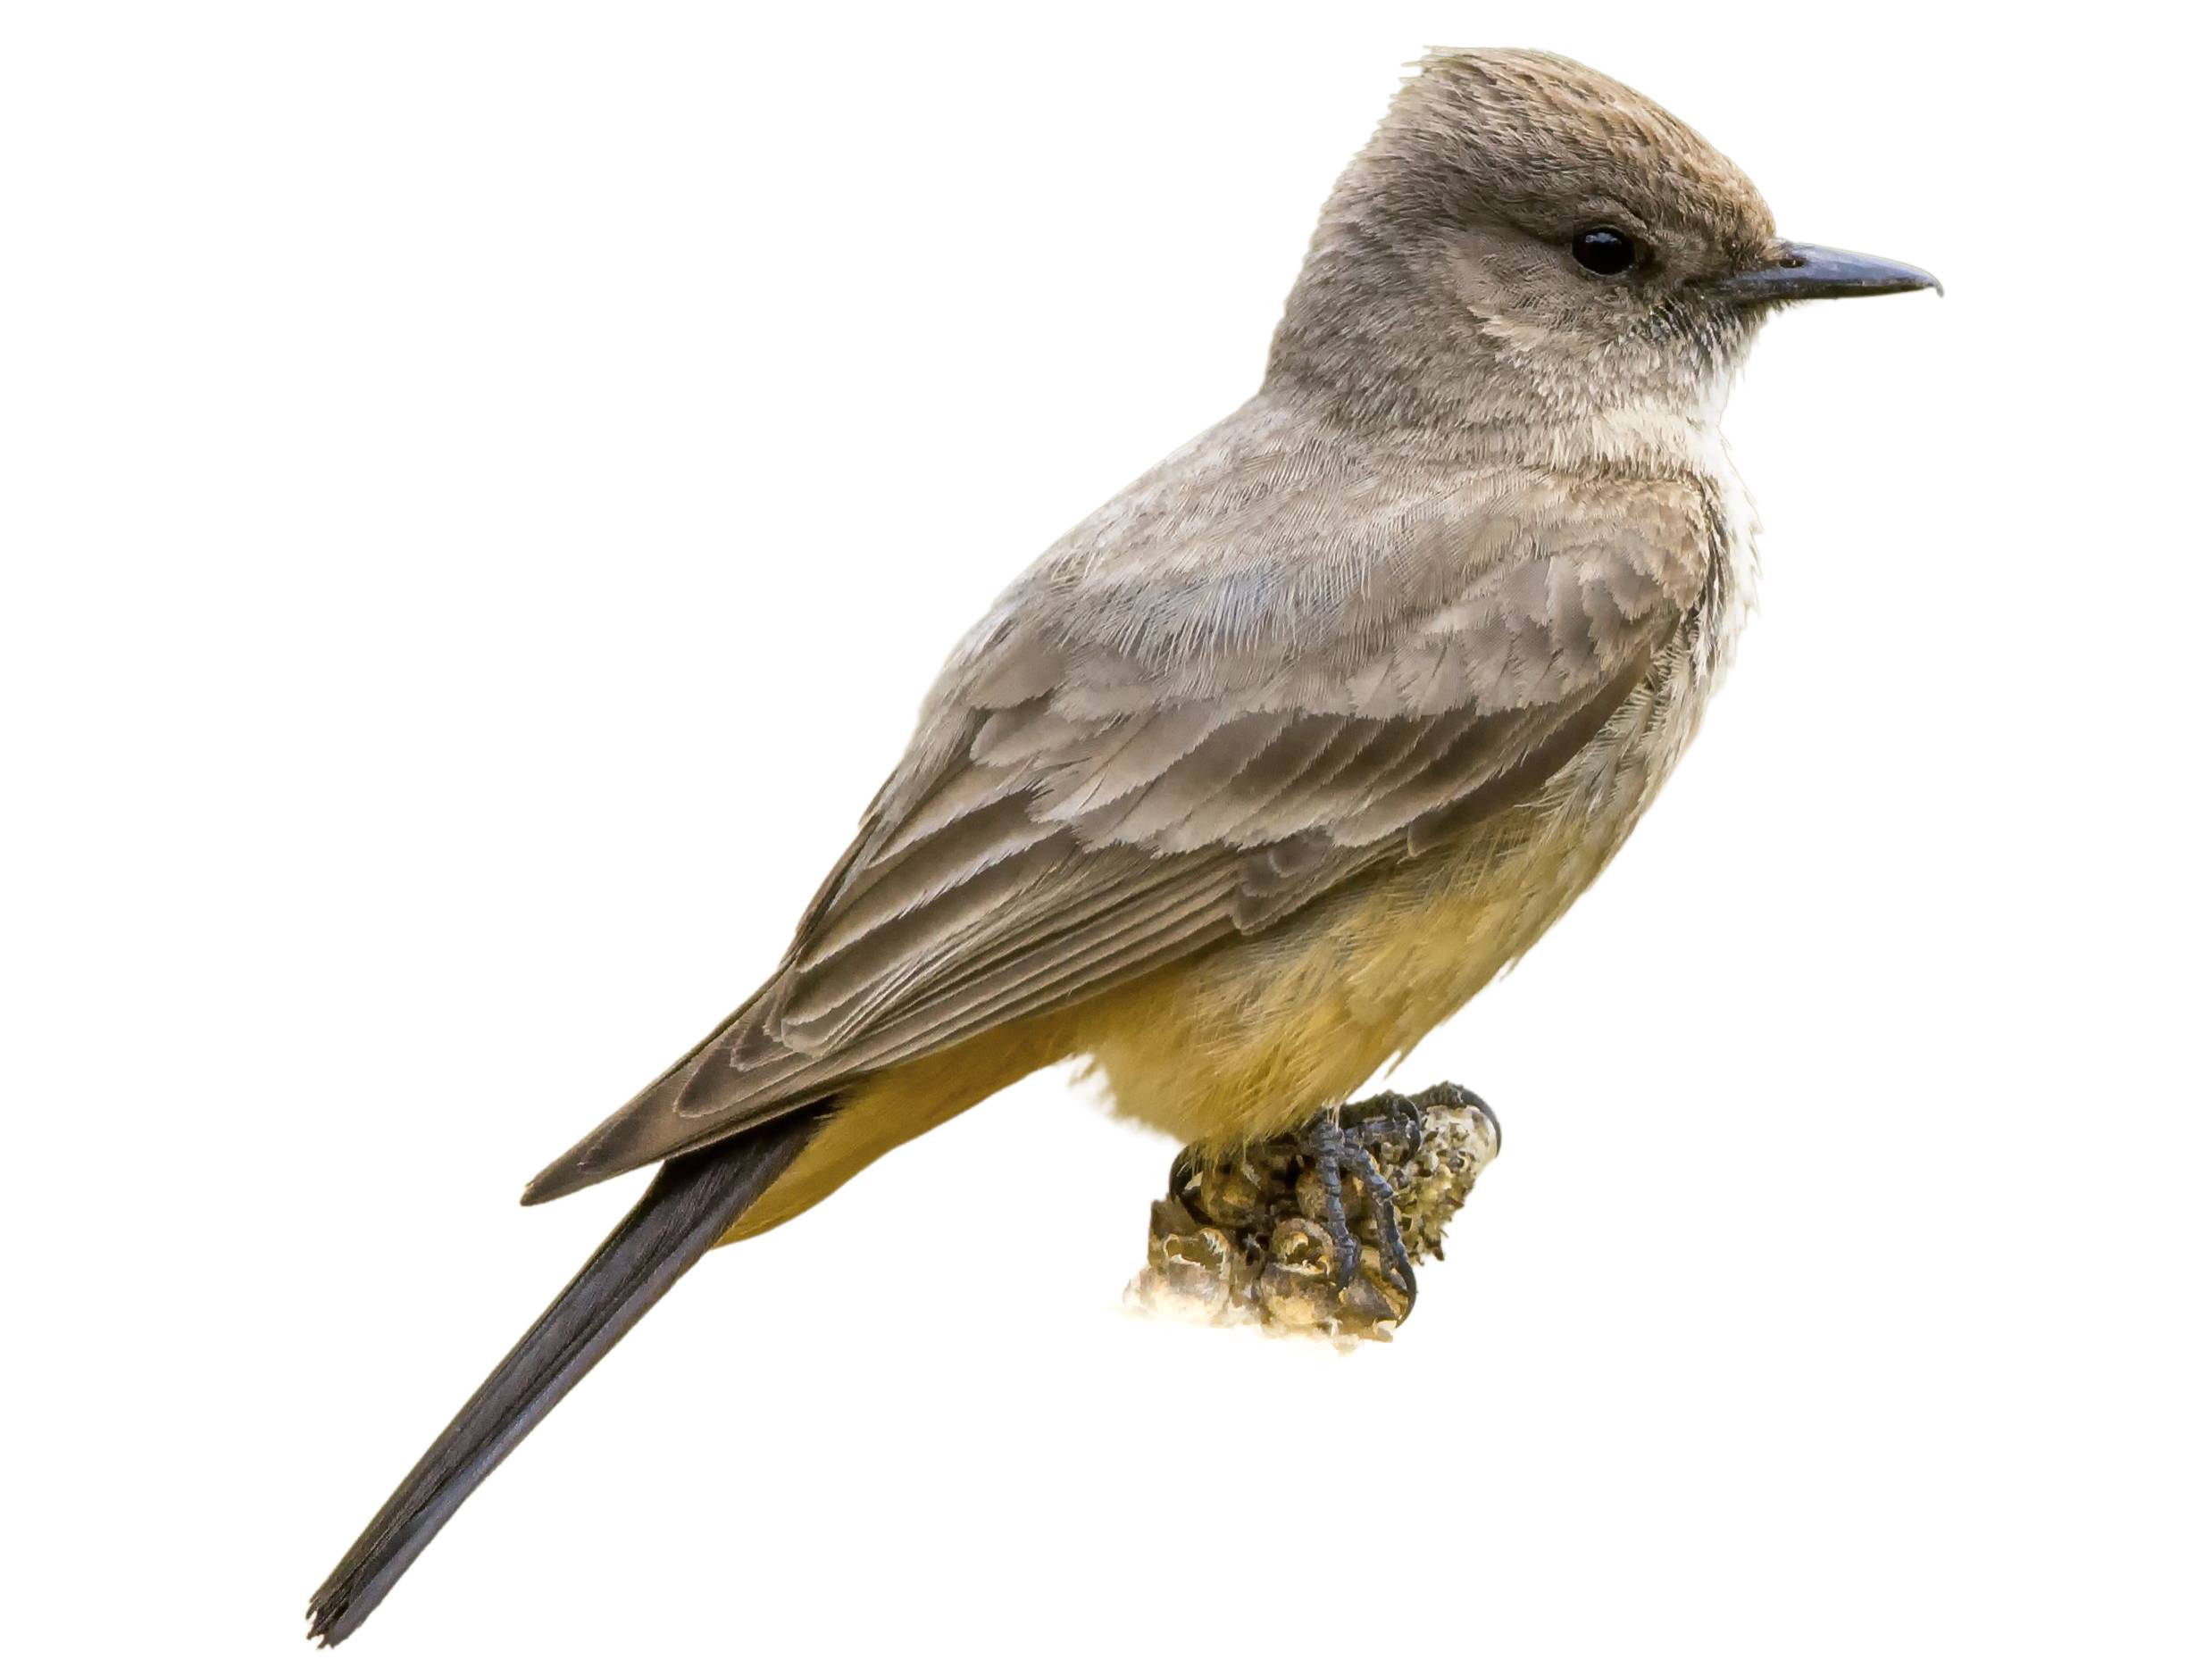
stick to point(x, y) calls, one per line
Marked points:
point(1319, 1229)
point(1338, 1144)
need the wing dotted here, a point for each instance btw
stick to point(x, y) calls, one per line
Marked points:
point(1202, 710)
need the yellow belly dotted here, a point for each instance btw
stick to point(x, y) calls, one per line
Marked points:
point(1254, 1037)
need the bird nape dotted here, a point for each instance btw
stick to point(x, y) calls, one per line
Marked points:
point(1278, 757)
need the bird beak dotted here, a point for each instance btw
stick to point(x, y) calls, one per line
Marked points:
point(1799, 270)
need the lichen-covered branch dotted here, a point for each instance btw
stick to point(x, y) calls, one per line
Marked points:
point(1254, 1238)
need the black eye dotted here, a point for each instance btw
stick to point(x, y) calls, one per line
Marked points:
point(1604, 250)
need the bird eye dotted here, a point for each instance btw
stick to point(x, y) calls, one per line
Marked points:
point(1604, 250)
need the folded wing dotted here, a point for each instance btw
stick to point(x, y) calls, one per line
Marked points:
point(1133, 760)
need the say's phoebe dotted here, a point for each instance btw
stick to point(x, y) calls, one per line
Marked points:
point(1277, 758)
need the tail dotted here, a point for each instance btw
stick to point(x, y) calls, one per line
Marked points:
point(692, 1202)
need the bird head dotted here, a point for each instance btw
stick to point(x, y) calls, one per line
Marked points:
point(1525, 238)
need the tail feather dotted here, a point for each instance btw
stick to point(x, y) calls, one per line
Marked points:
point(692, 1202)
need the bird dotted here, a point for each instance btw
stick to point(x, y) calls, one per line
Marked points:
point(1280, 756)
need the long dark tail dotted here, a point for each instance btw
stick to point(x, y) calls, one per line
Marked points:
point(692, 1202)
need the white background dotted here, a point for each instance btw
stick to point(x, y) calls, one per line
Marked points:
point(485, 488)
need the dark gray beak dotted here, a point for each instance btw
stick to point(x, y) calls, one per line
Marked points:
point(1800, 271)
